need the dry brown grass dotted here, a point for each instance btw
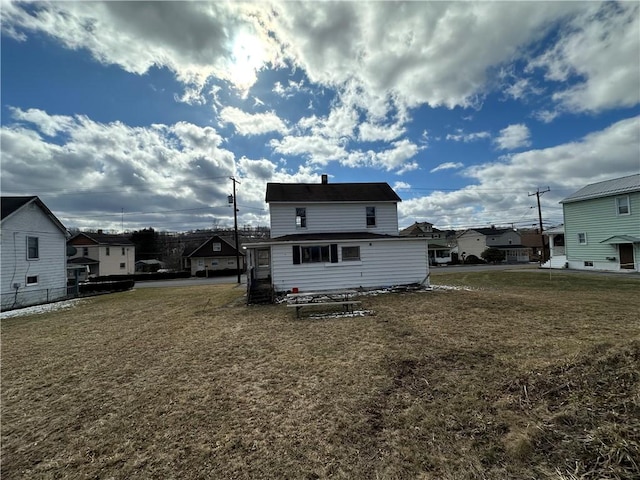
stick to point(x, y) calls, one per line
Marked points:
point(527, 377)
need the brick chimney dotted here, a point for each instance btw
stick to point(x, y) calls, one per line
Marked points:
point(325, 178)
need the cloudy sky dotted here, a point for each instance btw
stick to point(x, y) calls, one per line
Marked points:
point(136, 114)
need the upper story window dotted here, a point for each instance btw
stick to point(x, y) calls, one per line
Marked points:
point(622, 206)
point(371, 216)
point(123, 252)
point(217, 247)
point(582, 238)
point(301, 217)
point(85, 251)
point(33, 250)
point(108, 251)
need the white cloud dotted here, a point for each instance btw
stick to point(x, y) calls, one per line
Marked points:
point(513, 136)
point(601, 49)
point(401, 186)
point(370, 132)
point(392, 55)
point(460, 136)
point(252, 124)
point(447, 166)
point(501, 193)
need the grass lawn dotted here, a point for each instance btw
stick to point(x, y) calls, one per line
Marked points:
point(522, 375)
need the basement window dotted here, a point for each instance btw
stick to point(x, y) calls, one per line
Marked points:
point(588, 263)
point(32, 280)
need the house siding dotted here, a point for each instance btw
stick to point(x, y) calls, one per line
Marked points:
point(327, 217)
point(474, 243)
point(598, 219)
point(50, 267)
point(379, 266)
point(109, 264)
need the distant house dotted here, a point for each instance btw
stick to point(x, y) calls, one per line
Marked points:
point(104, 254)
point(33, 252)
point(334, 236)
point(477, 240)
point(152, 265)
point(215, 254)
point(602, 225)
point(439, 250)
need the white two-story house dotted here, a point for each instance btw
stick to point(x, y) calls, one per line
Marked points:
point(104, 254)
point(33, 252)
point(476, 240)
point(329, 236)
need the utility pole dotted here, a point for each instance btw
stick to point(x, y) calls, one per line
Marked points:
point(537, 194)
point(235, 226)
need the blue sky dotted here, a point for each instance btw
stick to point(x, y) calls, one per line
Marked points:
point(136, 114)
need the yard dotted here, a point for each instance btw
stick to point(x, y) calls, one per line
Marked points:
point(511, 375)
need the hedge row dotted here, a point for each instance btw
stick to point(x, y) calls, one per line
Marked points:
point(140, 277)
point(114, 286)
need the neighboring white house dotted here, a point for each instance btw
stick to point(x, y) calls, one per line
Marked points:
point(216, 254)
point(602, 225)
point(104, 254)
point(333, 236)
point(557, 257)
point(439, 249)
point(477, 240)
point(33, 252)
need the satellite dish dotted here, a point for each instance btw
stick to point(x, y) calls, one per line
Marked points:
point(71, 250)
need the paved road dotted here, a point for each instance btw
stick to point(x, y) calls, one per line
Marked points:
point(190, 282)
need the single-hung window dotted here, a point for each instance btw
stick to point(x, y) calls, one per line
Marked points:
point(122, 265)
point(371, 216)
point(123, 252)
point(622, 205)
point(582, 238)
point(108, 251)
point(33, 251)
point(217, 247)
point(350, 253)
point(301, 217)
point(85, 251)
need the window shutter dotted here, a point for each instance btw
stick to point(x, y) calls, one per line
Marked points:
point(334, 253)
point(296, 255)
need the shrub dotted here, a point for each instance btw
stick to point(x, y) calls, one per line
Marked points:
point(493, 255)
point(473, 260)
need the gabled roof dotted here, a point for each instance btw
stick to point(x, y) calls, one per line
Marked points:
point(104, 238)
point(330, 192)
point(488, 231)
point(206, 249)
point(617, 186)
point(10, 205)
point(419, 229)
